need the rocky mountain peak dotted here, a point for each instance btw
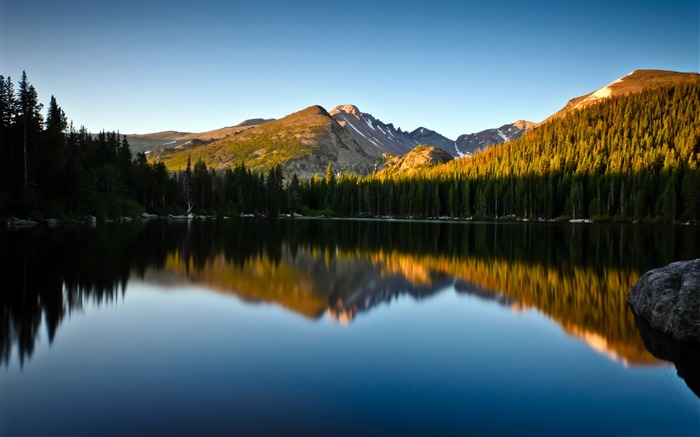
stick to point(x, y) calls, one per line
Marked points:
point(422, 131)
point(524, 124)
point(348, 109)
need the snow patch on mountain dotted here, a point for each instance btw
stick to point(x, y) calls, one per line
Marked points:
point(601, 93)
point(459, 154)
point(365, 137)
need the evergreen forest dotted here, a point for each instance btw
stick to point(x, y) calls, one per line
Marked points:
point(625, 158)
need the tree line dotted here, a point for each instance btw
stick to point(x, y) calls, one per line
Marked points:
point(627, 158)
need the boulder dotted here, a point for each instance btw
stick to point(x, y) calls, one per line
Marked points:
point(669, 299)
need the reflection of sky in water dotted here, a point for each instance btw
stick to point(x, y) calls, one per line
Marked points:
point(180, 360)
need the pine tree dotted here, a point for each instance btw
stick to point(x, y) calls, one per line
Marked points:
point(52, 162)
point(293, 195)
point(8, 164)
point(690, 191)
point(29, 117)
point(8, 109)
point(187, 186)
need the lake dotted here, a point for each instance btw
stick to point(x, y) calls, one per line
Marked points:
point(337, 327)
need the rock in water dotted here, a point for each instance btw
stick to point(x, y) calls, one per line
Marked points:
point(669, 299)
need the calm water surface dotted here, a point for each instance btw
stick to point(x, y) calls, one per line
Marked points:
point(317, 327)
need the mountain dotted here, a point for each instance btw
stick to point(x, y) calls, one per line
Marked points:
point(173, 139)
point(374, 137)
point(378, 138)
point(634, 82)
point(419, 157)
point(470, 143)
point(357, 141)
point(304, 143)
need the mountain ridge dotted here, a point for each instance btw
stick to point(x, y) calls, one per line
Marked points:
point(375, 136)
point(357, 141)
point(634, 82)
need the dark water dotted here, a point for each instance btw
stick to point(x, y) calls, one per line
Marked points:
point(337, 328)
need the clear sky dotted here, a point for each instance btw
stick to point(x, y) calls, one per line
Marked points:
point(452, 66)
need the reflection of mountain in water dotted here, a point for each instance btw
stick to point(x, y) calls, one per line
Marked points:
point(310, 283)
point(577, 276)
point(313, 283)
point(589, 305)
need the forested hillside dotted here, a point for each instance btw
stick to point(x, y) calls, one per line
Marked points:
point(632, 157)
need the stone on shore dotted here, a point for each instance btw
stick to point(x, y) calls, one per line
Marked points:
point(669, 299)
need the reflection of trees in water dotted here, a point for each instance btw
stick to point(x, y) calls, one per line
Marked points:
point(42, 282)
point(578, 275)
point(590, 303)
point(51, 272)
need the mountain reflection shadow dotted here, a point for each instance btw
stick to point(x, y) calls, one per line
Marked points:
point(577, 276)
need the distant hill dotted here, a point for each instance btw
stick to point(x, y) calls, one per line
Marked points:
point(167, 135)
point(304, 143)
point(632, 83)
point(226, 131)
point(140, 143)
point(174, 139)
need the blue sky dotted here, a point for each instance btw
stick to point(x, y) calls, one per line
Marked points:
point(452, 66)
